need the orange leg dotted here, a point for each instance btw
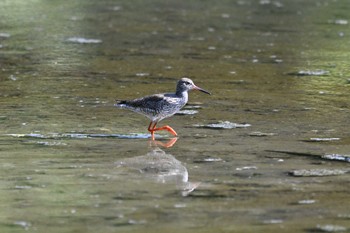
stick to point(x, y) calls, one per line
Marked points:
point(153, 128)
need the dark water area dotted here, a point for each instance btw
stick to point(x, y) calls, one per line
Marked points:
point(268, 151)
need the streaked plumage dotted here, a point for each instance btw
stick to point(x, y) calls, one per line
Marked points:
point(159, 106)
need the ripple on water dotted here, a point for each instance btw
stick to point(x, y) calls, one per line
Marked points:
point(23, 187)
point(78, 136)
point(306, 202)
point(208, 160)
point(23, 224)
point(187, 112)
point(261, 134)
point(338, 157)
point(223, 125)
point(81, 40)
point(309, 73)
point(322, 139)
point(4, 35)
point(339, 21)
point(330, 228)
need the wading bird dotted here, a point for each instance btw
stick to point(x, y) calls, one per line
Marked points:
point(159, 106)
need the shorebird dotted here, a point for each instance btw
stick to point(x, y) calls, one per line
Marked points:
point(159, 106)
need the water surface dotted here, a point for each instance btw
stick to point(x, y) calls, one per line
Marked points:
point(71, 162)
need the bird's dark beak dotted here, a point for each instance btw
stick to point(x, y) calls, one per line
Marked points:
point(202, 90)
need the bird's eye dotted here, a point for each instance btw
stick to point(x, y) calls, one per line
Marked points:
point(187, 83)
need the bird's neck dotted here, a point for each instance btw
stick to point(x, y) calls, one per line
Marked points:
point(182, 94)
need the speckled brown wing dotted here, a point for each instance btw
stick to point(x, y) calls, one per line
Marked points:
point(149, 106)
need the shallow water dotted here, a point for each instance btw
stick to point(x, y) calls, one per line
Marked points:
point(71, 162)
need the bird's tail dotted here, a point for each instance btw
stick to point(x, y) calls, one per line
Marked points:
point(121, 103)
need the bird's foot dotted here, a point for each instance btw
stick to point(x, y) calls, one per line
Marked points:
point(168, 128)
point(152, 128)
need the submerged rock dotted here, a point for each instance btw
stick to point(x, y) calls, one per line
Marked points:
point(223, 125)
point(318, 172)
point(161, 167)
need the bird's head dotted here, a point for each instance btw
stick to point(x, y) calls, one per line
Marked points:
point(186, 84)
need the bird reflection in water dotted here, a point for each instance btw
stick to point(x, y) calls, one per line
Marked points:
point(169, 143)
point(162, 168)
